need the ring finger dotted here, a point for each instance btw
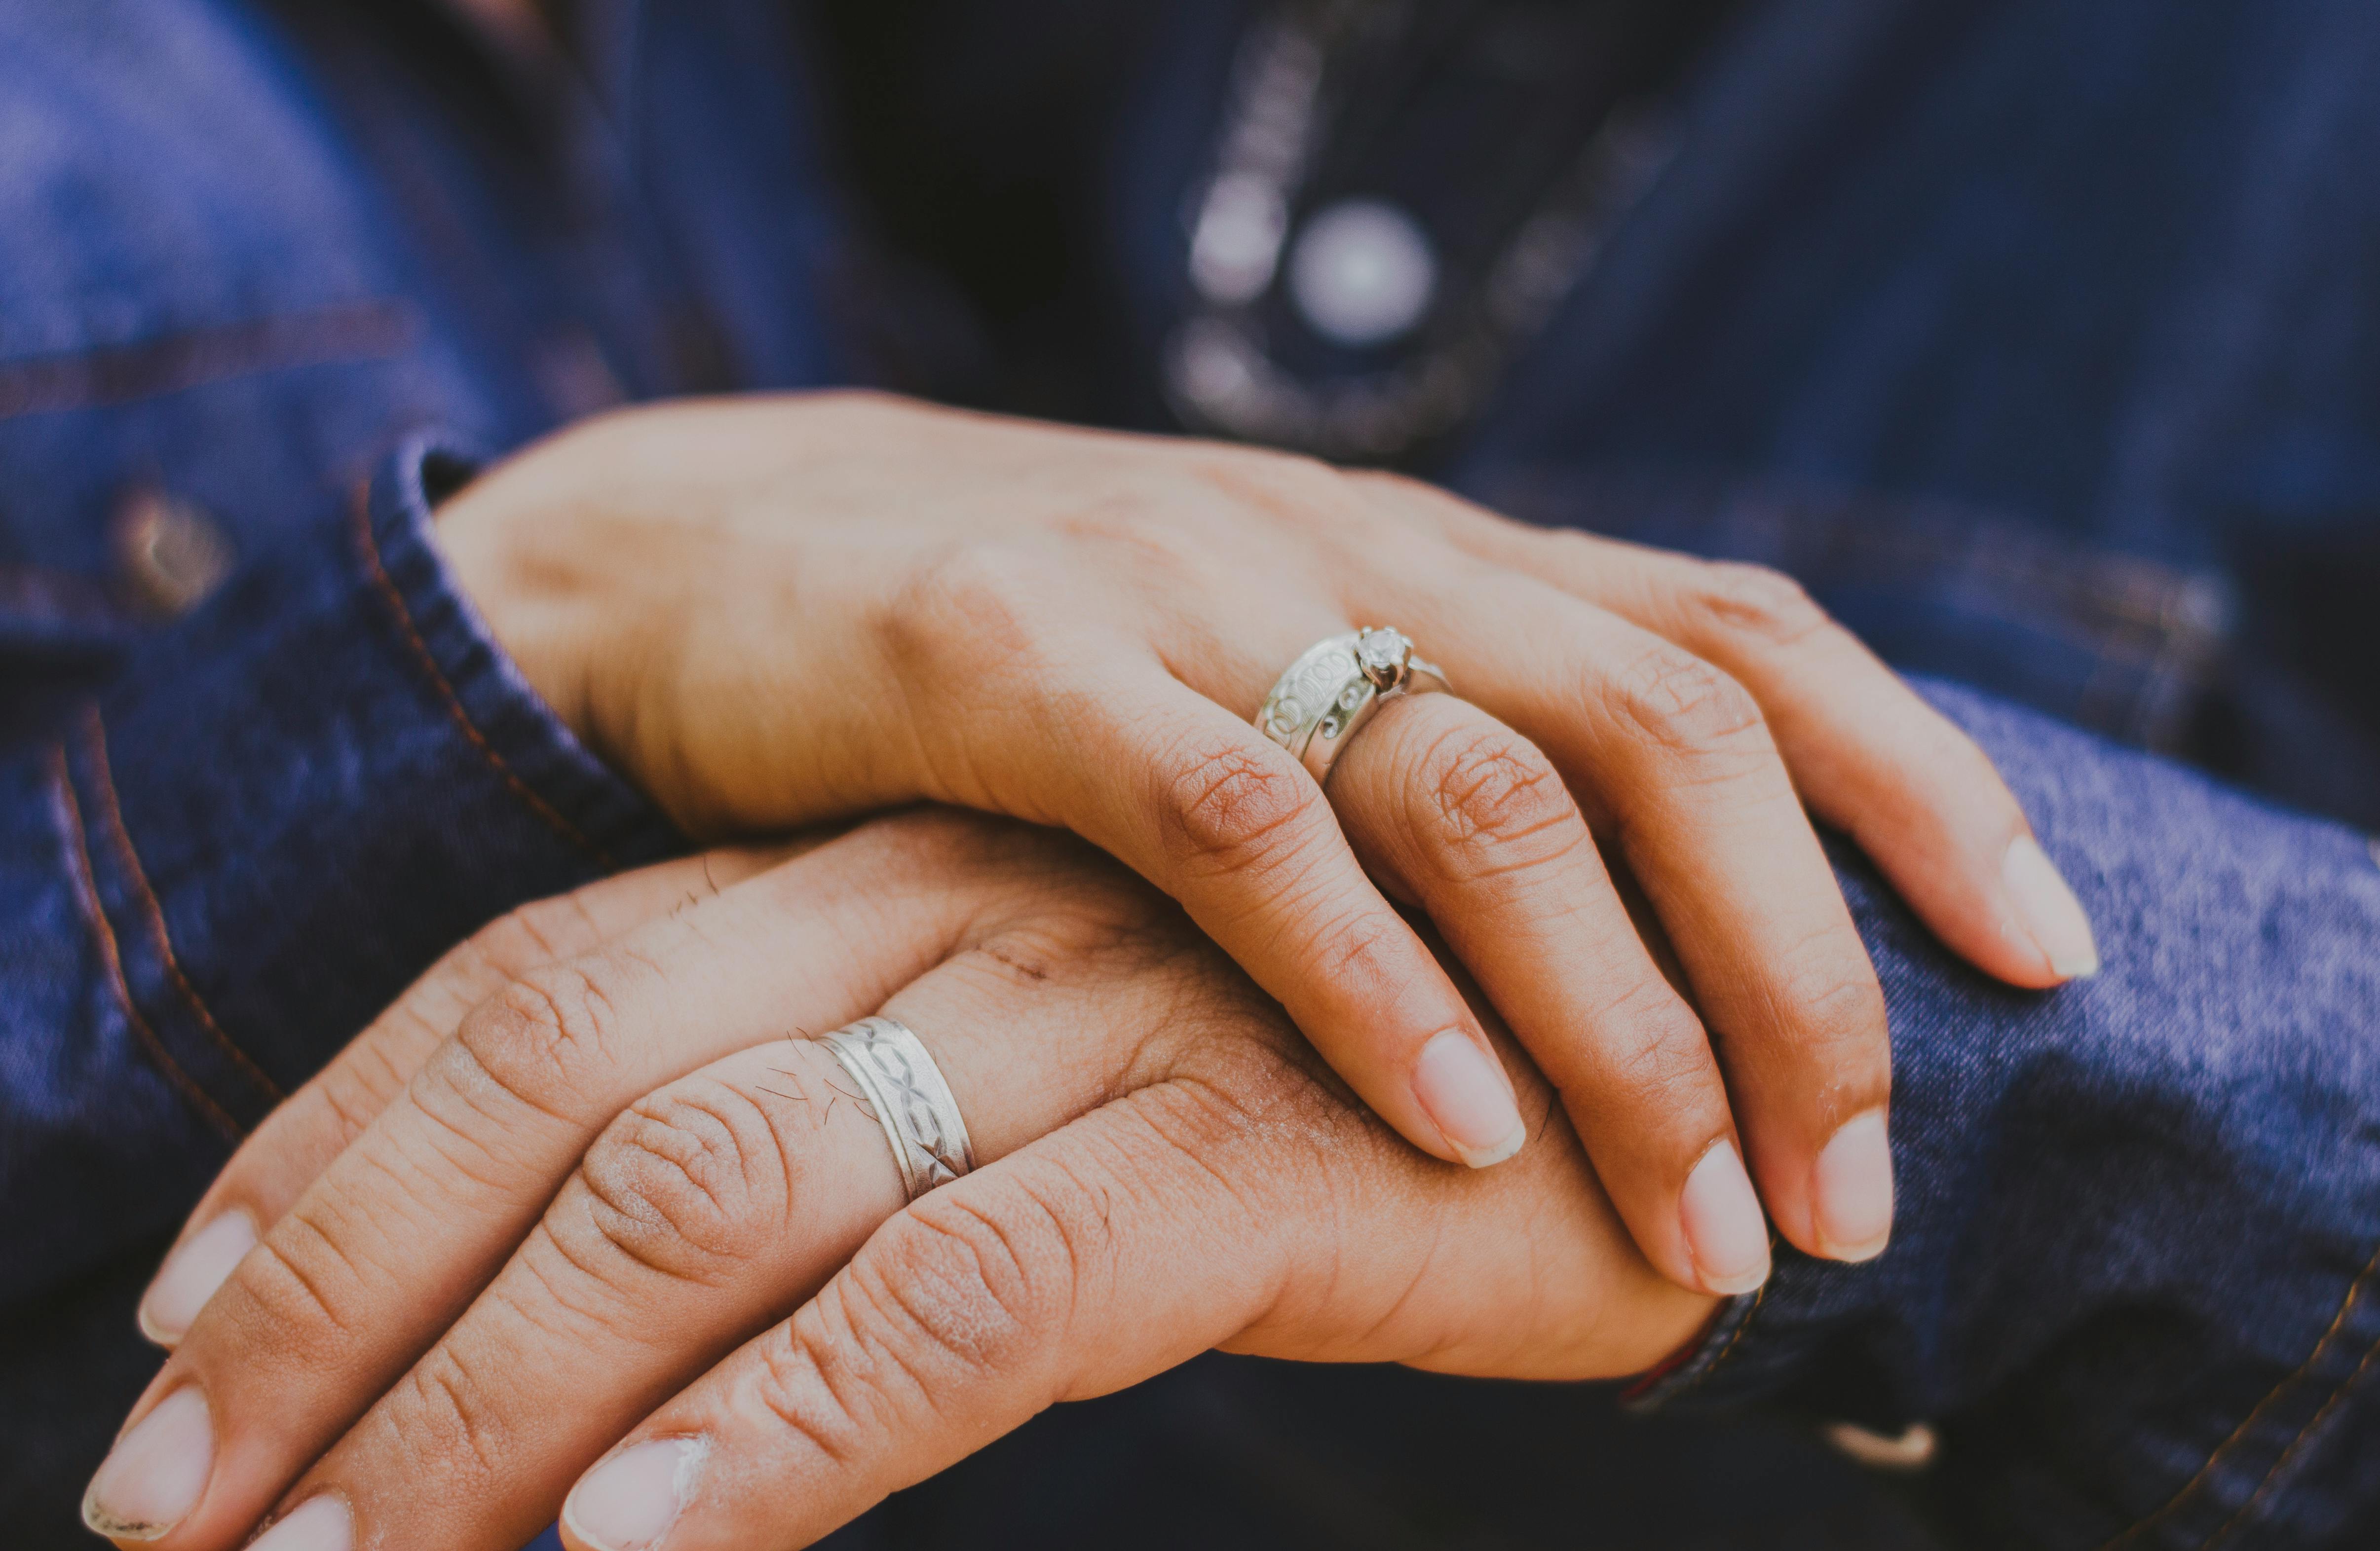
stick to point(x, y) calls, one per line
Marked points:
point(671, 1243)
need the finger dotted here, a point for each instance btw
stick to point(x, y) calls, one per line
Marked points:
point(1870, 755)
point(298, 1140)
point(1678, 758)
point(1104, 740)
point(1449, 805)
point(385, 1249)
point(670, 1242)
point(1259, 1213)
point(1100, 1256)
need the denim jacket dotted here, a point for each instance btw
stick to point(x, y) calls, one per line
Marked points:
point(2040, 340)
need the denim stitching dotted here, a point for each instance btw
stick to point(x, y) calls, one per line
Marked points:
point(1700, 1372)
point(374, 330)
point(87, 892)
point(2308, 1430)
point(103, 784)
point(453, 702)
point(2206, 1472)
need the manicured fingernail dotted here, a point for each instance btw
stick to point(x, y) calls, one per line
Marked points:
point(1725, 1232)
point(629, 1501)
point(1467, 1094)
point(317, 1524)
point(192, 1275)
point(1852, 1190)
point(2050, 911)
point(155, 1472)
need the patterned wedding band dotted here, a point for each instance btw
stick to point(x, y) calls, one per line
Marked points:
point(1334, 689)
point(904, 1086)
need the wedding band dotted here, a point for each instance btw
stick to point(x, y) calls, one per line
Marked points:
point(899, 1081)
point(1334, 688)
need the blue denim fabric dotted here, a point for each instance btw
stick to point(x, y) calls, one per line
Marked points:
point(2038, 339)
point(245, 257)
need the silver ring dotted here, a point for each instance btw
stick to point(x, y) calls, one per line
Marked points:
point(902, 1084)
point(1335, 687)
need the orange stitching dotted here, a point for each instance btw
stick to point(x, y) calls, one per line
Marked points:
point(396, 601)
point(2289, 1453)
point(1694, 1380)
point(103, 785)
point(1727, 1350)
point(2338, 1323)
point(87, 890)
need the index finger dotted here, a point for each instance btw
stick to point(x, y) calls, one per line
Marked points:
point(388, 1246)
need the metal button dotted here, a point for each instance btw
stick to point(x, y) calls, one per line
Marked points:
point(1362, 272)
point(172, 555)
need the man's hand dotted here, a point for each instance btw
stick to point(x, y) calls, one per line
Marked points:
point(773, 611)
point(557, 1189)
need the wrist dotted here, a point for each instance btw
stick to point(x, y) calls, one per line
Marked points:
point(535, 604)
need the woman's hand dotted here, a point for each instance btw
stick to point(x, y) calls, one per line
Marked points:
point(495, 1240)
point(773, 612)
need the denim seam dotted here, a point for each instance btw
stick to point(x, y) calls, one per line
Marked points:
point(2214, 1462)
point(1701, 1372)
point(153, 908)
point(77, 838)
point(2313, 1425)
point(378, 329)
point(427, 661)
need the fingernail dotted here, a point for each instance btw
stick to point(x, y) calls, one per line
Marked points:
point(192, 1275)
point(1467, 1094)
point(320, 1523)
point(1852, 1190)
point(2050, 911)
point(1725, 1232)
point(155, 1472)
point(629, 1501)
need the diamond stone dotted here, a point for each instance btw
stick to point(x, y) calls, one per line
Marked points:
point(1331, 726)
point(1350, 697)
point(1382, 654)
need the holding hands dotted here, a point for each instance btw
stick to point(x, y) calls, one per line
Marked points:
point(775, 611)
point(499, 1236)
point(580, 1186)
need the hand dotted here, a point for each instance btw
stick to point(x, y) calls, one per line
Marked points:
point(773, 612)
point(496, 1240)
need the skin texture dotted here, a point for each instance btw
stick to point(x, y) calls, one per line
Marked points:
point(773, 612)
point(580, 1184)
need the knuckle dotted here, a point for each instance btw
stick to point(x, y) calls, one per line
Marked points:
point(1757, 601)
point(1485, 784)
point(686, 1183)
point(1156, 537)
point(536, 1039)
point(972, 606)
point(445, 1415)
point(1283, 486)
point(947, 1295)
point(1682, 703)
point(953, 1292)
point(1230, 805)
point(301, 1287)
point(1660, 1057)
point(1835, 1001)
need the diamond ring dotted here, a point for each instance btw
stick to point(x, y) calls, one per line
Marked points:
point(1334, 688)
